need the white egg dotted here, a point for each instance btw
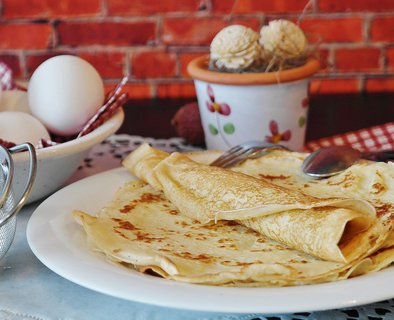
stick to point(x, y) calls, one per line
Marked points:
point(20, 127)
point(64, 92)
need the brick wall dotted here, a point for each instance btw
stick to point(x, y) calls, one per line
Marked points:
point(153, 40)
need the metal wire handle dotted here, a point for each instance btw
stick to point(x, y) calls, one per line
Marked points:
point(9, 177)
point(7, 174)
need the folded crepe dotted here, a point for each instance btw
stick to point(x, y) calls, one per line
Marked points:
point(333, 229)
point(367, 180)
point(142, 229)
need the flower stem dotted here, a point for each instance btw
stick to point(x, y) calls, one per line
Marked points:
point(220, 130)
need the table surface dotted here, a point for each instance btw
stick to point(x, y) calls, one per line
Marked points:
point(48, 296)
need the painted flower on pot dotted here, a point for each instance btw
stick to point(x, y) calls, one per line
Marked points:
point(213, 106)
point(220, 109)
point(277, 136)
point(302, 119)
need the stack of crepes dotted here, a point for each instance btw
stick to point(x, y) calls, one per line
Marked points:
point(260, 224)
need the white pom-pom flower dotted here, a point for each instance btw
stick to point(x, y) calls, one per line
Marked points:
point(283, 39)
point(235, 47)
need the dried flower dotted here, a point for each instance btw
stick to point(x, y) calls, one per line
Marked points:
point(235, 48)
point(283, 39)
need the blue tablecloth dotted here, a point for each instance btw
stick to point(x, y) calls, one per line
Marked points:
point(29, 290)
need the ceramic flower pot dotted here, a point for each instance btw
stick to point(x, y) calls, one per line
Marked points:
point(238, 107)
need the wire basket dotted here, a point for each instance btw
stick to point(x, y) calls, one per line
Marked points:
point(8, 207)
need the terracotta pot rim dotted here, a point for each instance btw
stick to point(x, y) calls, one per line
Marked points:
point(198, 70)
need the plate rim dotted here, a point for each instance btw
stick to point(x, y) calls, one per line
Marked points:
point(307, 298)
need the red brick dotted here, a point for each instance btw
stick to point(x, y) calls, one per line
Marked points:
point(332, 86)
point(25, 36)
point(134, 90)
point(359, 59)
point(260, 6)
point(191, 31)
point(220, 6)
point(323, 58)
point(355, 5)
point(379, 85)
point(390, 58)
point(50, 8)
point(149, 7)
point(199, 31)
point(176, 90)
point(382, 29)
point(252, 23)
point(106, 33)
point(108, 64)
point(184, 60)
point(154, 65)
point(334, 30)
point(12, 61)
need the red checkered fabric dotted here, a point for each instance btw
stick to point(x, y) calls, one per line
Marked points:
point(375, 138)
point(6, 79)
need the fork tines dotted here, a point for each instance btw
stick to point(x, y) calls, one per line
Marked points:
point(241, 152)
point(232, 157)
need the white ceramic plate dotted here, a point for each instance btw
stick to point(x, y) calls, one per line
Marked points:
point(59, 242)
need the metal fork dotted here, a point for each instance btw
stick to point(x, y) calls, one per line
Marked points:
point(243, 151)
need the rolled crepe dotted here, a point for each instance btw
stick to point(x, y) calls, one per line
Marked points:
point(333, 229)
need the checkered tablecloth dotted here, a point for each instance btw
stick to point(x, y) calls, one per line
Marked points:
point(375, 138)
point(6, 79)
